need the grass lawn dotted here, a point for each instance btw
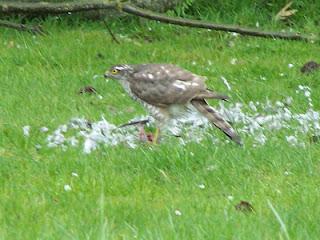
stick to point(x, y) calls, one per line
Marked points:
point(167, 191)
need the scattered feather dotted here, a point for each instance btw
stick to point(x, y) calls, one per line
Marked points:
point(226, 83)
point(44, 129)
point(177, 212)
point(230, 198)
point(67, 188)
point(233, 61)
point(255, 120)
point(26, 130)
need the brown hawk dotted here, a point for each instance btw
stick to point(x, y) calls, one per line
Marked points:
point(166, 90)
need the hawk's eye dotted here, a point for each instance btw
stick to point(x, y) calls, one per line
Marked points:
point(114, 71)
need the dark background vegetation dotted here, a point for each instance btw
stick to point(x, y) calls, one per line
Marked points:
point(241, 12)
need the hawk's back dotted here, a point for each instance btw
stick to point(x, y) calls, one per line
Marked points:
point(165, 84)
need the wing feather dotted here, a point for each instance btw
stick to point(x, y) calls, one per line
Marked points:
point(165, 84)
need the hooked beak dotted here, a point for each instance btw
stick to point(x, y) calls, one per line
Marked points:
point(106, 75)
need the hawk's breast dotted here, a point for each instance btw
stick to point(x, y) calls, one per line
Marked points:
point(154, 111)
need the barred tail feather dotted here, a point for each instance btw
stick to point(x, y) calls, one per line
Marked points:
point(216, 119)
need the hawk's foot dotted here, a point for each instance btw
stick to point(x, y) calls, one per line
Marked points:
point(149, 137)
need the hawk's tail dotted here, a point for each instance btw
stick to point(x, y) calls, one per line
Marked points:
point(216, 119)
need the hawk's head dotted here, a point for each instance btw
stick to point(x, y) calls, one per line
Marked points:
point(119, 72)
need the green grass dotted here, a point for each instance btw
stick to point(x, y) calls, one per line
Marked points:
point(124, 193)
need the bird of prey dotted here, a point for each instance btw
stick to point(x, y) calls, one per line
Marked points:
point(166, 90)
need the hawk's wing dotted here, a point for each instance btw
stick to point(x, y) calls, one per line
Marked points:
point(165, 84)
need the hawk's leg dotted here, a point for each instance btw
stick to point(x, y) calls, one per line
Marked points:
point(145, 136)
point(156, 136)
